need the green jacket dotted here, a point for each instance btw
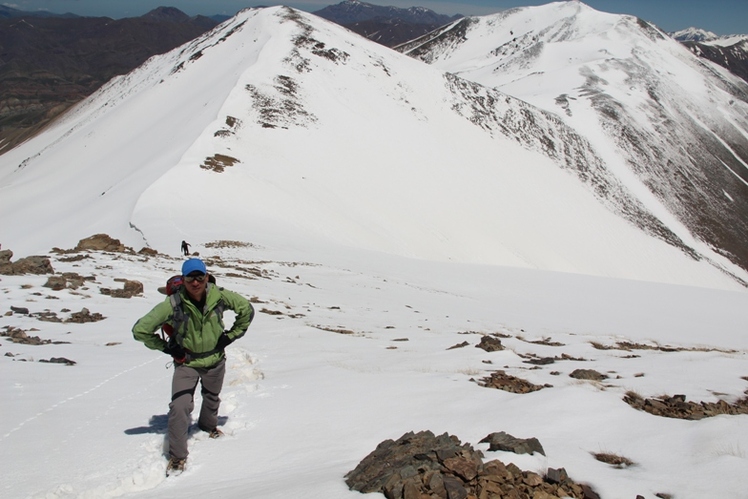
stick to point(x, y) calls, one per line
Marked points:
point(203, 328)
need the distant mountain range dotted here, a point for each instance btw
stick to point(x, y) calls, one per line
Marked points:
point(48, 63)
point(730, 52)
point(388, 26)
point(54, 61)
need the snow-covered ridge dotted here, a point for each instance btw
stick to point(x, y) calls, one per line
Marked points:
point(341, 142)
point(655, 113)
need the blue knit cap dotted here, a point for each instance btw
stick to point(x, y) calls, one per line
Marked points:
point(193, 265)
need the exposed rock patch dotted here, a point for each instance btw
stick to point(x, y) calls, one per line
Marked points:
point(588, 374)
point(218, 163)
point(505, 442)
point(18, 335)
point(424, 466)
point(30, 265)
point(490, 344)
point(59, 360)
point(81, 317)
point(508, 383)
point(102, 242)
point(677, 407)
point(66, 280)
point(129, 289)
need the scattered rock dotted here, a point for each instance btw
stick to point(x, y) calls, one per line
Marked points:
point(19, 310)
point(540, 361)
point(459, 345)
point(490, 344)
point(506, 382)
point(613, 459)
point(505, 442)
point(46, 316)
point(18, 335)
point(59, 360)
point(588, 374)
point(421, 465)
point(85, 316)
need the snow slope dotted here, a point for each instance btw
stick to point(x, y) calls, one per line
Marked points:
point(303, 403)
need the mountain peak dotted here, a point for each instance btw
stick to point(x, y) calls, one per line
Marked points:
point(693, 35)
point(166, 14)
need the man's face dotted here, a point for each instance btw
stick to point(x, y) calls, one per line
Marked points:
point(195, 284)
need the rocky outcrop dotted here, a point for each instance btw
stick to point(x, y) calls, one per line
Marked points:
point(424, 466)
point(28, 265)
point(102, 242)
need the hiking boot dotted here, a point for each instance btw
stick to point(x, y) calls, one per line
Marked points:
point(215, 433)
point(212, 433)
point(175, 465)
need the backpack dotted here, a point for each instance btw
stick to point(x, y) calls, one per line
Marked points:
point(179, 318)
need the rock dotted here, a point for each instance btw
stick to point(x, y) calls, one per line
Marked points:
point(424, 466)
point(588, 374)
point(102, 242)
point(148, 252)
point(85, 316)
point(129, 289)
point(20, 310)
point(506, 382)
point(30, 265)
point(5, 256)
point(505, 442)
point(677, 407)
point(490, 344)
point(56, 282)
point(59, 360)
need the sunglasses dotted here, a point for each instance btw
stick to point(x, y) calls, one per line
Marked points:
point(198, 278)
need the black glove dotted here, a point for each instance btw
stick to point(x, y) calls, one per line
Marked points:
point(180, 356)
point(223, 341)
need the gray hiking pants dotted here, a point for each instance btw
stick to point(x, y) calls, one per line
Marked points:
point(183, 386)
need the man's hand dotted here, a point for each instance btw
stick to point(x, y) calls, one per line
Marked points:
point(180, 356)
point(223, 341)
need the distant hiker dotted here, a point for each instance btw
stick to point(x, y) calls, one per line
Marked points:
point(192, 314)
point(186, 248)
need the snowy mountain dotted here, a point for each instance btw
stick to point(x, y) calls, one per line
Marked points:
point(730, 52)
point(277, 122)
point(693, 35)
point(670, 127)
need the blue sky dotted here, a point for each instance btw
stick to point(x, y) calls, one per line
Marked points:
point(723, 17)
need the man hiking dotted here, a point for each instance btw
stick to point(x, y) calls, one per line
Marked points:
point(186, 248)
point(193, 317)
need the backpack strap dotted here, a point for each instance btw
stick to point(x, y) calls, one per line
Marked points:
point(179, 318)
